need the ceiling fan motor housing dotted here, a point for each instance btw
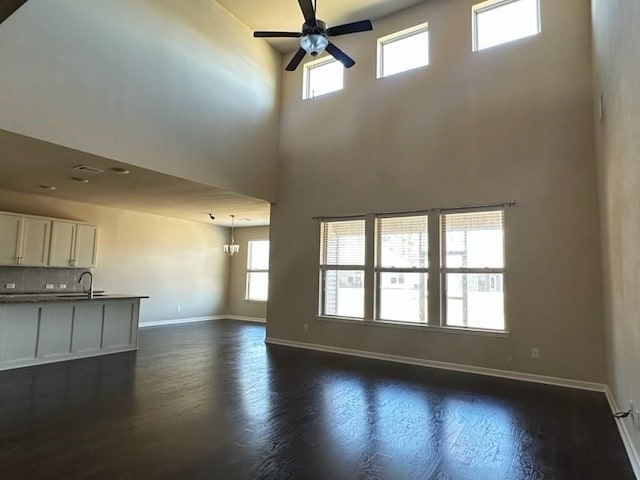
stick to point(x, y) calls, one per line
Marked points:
point(314, 38)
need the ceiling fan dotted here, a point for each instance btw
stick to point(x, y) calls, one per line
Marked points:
point(314, 36)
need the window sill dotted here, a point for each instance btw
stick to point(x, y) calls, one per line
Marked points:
point(254, 301)
point(418, 326)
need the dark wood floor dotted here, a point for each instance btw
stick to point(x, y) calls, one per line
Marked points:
point(212, 401)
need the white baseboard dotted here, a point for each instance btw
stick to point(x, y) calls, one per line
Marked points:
point(634, 456)
point(246, 319)
point(492, 372)
point(178, 321)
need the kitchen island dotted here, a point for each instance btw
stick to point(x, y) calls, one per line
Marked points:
point(45, 328)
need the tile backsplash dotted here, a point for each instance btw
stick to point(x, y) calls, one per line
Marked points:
point(34, 279)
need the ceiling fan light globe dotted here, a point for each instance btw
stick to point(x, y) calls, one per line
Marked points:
point(314, 44)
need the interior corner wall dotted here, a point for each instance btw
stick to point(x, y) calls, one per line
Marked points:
point(179, 264)
point(617, 68)
point(237, 305)
point(513, 122)
point(179, 87)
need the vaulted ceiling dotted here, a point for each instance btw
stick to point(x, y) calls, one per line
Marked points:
point(285, 14)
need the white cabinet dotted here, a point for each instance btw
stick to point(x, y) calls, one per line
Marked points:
point(63, 235)
point(73, 245)
point(87, 328)
point(24, 240)
point(54, 339)
point(34, 245)
point(50, 332)
point(18, 335)
point(10, 232)
point(86, 246)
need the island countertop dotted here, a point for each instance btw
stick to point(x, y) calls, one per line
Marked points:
point(63, 297)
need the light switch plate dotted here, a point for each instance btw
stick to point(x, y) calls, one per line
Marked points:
point(49, 286)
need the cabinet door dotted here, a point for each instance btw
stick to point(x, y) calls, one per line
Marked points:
point(18, 334)
point(63, 235)
point(118, 325)
point(86, 241)
point(87, 328)
point(10, 227)
point(35, 242)
point(54, 339)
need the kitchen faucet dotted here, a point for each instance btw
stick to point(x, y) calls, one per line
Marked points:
point(90, 291)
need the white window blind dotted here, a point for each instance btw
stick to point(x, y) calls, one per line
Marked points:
point(474, 239)
point(342, 263)
point(473, 269)
point(402, 268)
point(403, 242)
point(343, 242)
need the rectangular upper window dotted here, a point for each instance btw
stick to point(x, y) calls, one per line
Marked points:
point(257, 270)
point(500, 21)
point(322, 77)
point(473, 269)
point(404, 50)
point(342, 266)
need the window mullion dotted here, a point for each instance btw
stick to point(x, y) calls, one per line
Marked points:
point(434, 286)
point(370, 294)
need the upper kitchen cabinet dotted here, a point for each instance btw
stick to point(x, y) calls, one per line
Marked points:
point(86, 246)
point(73, 245)
point(36, 234)
point(10, 232)
point(40, 242)
point(24, 240)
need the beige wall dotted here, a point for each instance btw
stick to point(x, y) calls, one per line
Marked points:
point(512, 122)
point(174, 262)
point(179, 87)
point(618, 73)
point(236, 304)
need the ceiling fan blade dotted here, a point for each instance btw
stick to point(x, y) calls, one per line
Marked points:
point(309, 13)
point(339, 55)
point(355, 27)
point(277, 34)
point(295, 61)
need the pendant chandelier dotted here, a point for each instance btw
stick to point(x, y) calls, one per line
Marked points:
point(231, 248)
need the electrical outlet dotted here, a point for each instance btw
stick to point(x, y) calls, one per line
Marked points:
point(179, 308)
point(62, 286)
point(10, 285)
point(49, 286)
point(535, 353)
point(305, 327)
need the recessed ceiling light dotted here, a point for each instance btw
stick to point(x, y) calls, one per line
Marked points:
point(79, 180)
point(88, 169)
point(120, 171)
point(47, 187)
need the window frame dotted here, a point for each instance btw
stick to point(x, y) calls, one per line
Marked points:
point(306, 76)
point(378, 270)
point(436, 271)
point(397, 36)
point(444, 269)
point(489, 5)
point(247, 298)
point(325, 267)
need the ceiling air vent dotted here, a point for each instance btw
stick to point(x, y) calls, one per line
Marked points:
point(86, 168)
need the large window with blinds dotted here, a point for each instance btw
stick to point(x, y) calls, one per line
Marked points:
point(441, 268)
point(402, 266)
point(342, 267)
point(473, 269)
